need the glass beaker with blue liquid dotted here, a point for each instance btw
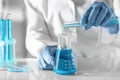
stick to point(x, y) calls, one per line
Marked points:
point(65, 64)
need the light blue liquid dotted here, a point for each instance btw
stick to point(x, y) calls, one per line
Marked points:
point(9, 38)
point(78, 24)
point(6, 37)
point(17, 68)
point(1, 46)
point(65, 64)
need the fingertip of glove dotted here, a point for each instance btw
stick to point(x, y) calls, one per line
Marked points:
point(113, 31)
point(46, 66)
point(85, 27)
point(116, 30)
point(39, 66)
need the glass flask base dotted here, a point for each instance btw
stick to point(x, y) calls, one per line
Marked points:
point(63, 72)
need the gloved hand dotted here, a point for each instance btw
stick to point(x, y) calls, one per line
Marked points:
point(46, 59)
point(112, 26)
point(98, 14)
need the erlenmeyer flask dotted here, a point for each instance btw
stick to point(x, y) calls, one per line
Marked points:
point(65, 64)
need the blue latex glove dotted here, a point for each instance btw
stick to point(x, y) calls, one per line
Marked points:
point(98, 14)
point(112, 26)
point(46, 59)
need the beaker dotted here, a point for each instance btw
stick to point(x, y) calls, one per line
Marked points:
point(65, 64)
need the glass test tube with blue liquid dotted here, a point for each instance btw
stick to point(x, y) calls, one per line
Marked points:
point(75, 24)
point(1, 44)
point(8, 39)
point(65, 64)
point(8, 52)
point(7, 48)
point(7, 43)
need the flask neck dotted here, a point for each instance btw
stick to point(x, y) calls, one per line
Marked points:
point(64, 41)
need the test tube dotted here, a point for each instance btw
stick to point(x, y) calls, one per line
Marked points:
point(72, 24)
point(1, 43)
point(3, 31)
point(8, 48)
point(8, 53)
point(8, 38)
point(9, 41)
point(75, 24)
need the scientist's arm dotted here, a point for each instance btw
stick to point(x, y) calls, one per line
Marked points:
point(37, 37)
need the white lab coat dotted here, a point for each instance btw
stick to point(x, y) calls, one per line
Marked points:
point(45, 19)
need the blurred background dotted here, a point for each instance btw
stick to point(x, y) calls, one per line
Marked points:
point(17, 10)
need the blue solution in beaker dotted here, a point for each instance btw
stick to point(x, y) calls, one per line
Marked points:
point(65, 64)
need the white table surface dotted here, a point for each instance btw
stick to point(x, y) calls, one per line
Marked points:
point(87, 69)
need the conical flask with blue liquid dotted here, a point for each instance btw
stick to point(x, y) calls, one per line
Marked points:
point(65, 64)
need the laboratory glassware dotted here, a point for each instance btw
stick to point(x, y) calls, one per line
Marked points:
point(7, 43)
point(65, 64)
point(75, 24)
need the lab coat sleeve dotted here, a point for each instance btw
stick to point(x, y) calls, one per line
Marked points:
point(37, 35)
